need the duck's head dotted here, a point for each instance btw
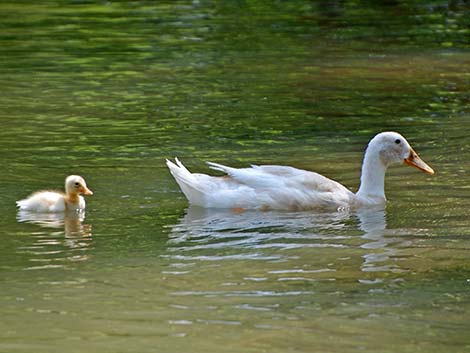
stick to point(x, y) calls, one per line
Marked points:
point(392, 148)
point(75, 184)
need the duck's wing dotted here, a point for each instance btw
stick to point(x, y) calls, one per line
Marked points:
point(279, 176)
point(255, 176)
point(284, 187)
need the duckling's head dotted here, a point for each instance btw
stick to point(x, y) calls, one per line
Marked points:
point(75, 184)
point(391, 147)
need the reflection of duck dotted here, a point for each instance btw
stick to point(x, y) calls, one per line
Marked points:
point(245, 234)
point(52, 201)
point(287, 188)
point(218, 234)
point(253, 226)
point(224, 218)
point(379, 242)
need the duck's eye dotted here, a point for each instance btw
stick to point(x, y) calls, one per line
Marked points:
point(77, 183)
point(397, 141)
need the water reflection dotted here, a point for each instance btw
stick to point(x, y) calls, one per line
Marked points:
point(252, 230)
point(269, 261)
point(69, 240)
point(70, 222)
point(381, 243)
point(373, 224)
point(249, 235)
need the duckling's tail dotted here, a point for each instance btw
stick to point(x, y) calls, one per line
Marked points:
point(188, 182)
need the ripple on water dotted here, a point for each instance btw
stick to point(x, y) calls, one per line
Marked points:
point(259, 293)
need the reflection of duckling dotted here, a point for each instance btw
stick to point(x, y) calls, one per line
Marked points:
point(74, 227)
point(53, 201)
point(77, 236)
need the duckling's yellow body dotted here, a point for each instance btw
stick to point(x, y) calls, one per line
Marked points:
point(55, 201)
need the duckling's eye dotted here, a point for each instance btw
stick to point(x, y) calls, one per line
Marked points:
point(77, 183)
point(397, 141)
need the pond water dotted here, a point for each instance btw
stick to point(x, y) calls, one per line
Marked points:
point(108, 90)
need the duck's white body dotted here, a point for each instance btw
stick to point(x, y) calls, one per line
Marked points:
point(53, 201)
point(288, 188)
point(261, 187)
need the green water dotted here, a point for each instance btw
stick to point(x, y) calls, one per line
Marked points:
point(108, 90)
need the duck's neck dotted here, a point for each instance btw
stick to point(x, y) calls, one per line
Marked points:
point(372, 178)
point(72, 198)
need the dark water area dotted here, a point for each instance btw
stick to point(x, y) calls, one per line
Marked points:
point(109, 90)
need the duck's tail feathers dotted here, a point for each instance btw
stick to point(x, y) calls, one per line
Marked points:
point(20, 204)
point(188, 182)
point(221, 168)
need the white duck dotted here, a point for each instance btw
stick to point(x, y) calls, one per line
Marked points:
point(287, 188)
point(53, 201)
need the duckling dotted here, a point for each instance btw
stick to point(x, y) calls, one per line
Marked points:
point(54, 201)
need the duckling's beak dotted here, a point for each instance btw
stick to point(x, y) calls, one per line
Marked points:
point(414, 160)
point(85, 191)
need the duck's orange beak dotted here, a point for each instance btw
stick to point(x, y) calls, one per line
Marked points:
point(85, 191)
point(414, 160)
